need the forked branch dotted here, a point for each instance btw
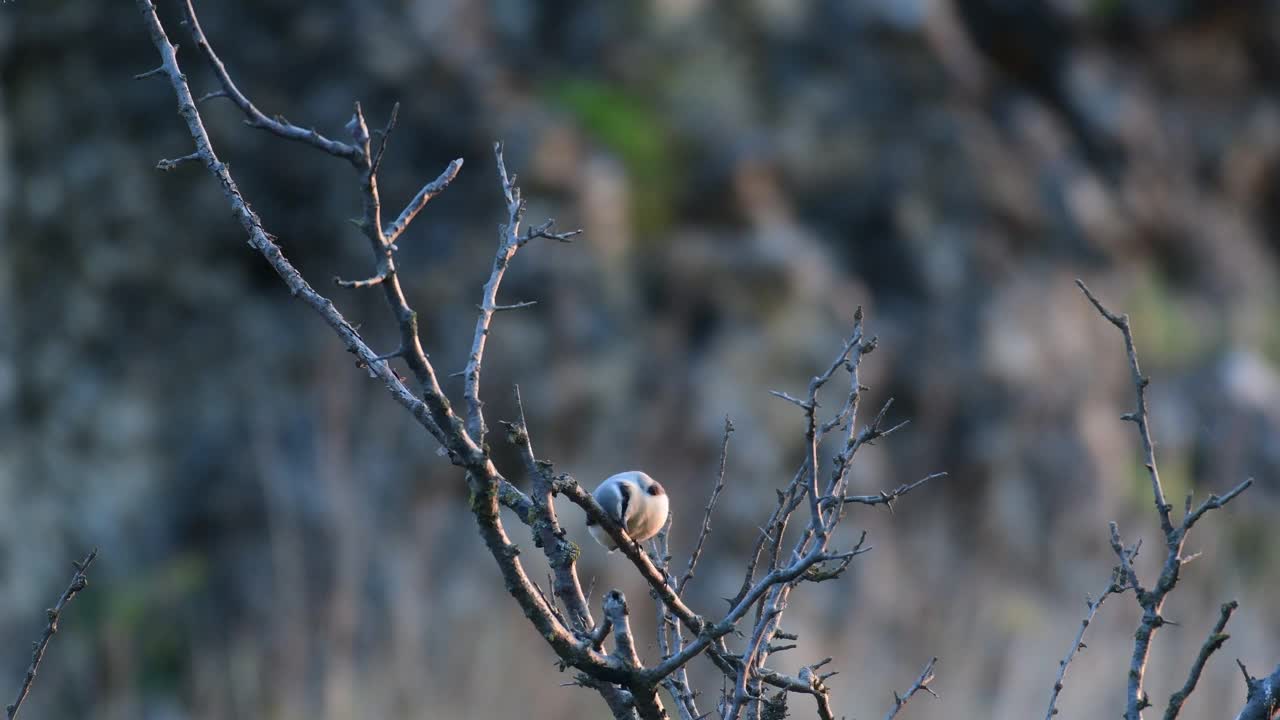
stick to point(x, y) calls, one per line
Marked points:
point(1151, 599)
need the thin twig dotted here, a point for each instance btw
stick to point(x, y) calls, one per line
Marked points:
point(419, 201)
point(361, 284)
point(384, 137)
point(78, 583)
point(1211, 645)
point(1093, 605)
point(1213, 503)
point(509, 242)
point(255, 116)
point(921, 683)
point(166, 164)
point(1139, 414)
point(711, 504)
point(888, 498)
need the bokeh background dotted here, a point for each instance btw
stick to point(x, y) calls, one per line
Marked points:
point(279, 539)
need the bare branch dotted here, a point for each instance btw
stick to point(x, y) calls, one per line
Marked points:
point(150, 73)
point(211, 95)
point(1211, 645)
point(1092, 605)
point(255, 117)
point(78, 583)
point(620, 702)
point(821, 695)
point(776, 522)
point(921, 683)
point(488, 487)
point(514, 306)
point(1213, 503)
point(509, 241)
point(670, 638)
point(1263, 697)
point(419, 201)
point(1151, 601)
point(711, 504)
point(384, 137)
point(260, 240)
point(616, 615)
point(1139, 414)
point(645, 695)
point(544, 231)
point(166, 164)
point(361, 284)
point(789, 398)
point(562, 554)
point(1128, 578)
point(433, 411)
point(888, 498)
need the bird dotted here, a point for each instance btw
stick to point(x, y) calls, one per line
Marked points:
point(633, 500)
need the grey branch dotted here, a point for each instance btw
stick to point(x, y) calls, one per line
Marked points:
point(255, 117)
point(705, 530)
point(489, 489)
point(1113, 587)
point(211, 95)
point(921, 683)
point(1150, 600)
point(670, 638)
point(508, 243)
point(1211, 645)
point(616, 615)
point(167, 165)
point(52, 615)
point(361, 284)
point(888, 498)
point(419, 201)
point(1263, 699)
point(561, 554)
point(1139, 414)
point(645, 695)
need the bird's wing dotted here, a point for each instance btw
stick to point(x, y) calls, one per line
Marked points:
point(624, 504)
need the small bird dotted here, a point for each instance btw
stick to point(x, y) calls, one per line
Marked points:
point(633, 500)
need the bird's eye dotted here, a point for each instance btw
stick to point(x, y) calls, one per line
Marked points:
point(655, 489)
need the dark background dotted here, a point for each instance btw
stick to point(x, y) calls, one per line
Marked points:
point(280, 540)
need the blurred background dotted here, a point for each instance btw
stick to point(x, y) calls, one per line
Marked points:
point(280, 540)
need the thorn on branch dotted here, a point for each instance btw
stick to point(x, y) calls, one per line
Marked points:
point(385, 135)
point(151, 73)
point(211, 95)
point(888, 498)
point(802, 404)
point(514, 306)
point(544, 231)
point(361, 284)
point(166, 165)
point(1213, 503)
